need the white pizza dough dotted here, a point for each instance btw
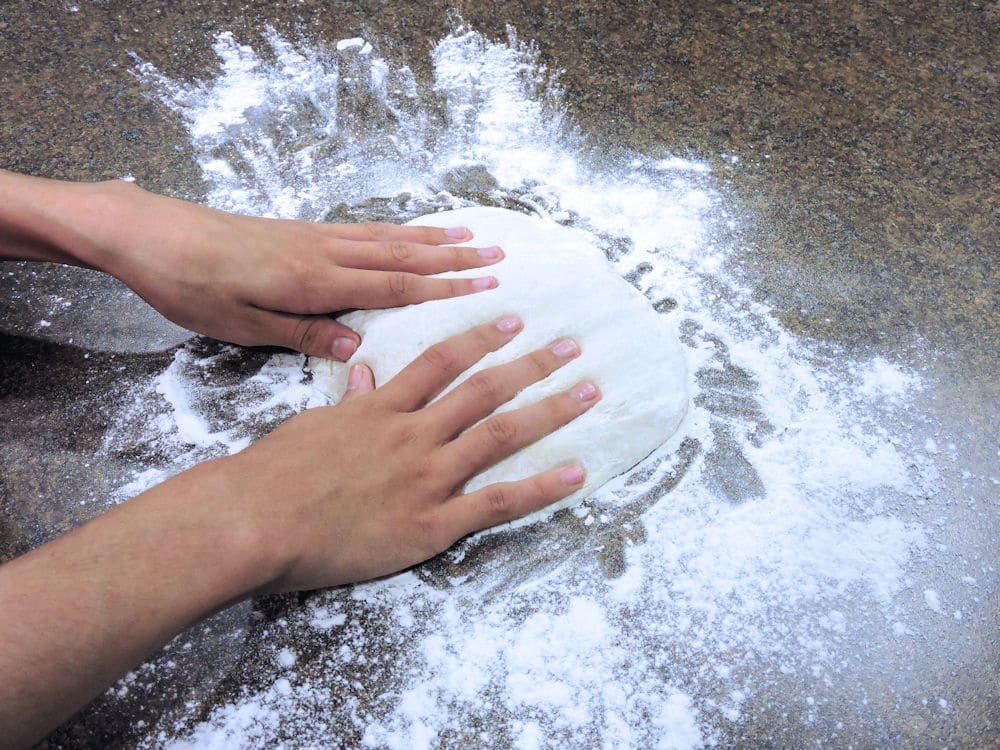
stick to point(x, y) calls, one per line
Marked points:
point(560, 284)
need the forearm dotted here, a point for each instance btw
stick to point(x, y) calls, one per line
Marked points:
point(80, 611)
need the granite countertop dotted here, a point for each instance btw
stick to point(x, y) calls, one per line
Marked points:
point(869, 157)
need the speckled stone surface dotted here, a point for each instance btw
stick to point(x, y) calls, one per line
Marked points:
point(869, 153)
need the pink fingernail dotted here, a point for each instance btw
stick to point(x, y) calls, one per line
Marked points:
point(355, 377)
point(509, 323)
point(572, 475)
point(564, 348)
point(458, 233)
point(484, 282)
point(584, 392)
point(489, 253)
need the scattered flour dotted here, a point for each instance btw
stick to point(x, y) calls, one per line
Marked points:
point(880, 378)
point(933, 601)
point(750, 559)
point(286, 658)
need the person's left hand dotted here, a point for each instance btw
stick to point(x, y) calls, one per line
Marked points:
point(255, 281)
point(377, 483)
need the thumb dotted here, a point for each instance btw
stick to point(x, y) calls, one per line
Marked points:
point(360, 380)
point(316, 335)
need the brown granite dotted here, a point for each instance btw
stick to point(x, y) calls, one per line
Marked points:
point(869, 159)
point(867, 131)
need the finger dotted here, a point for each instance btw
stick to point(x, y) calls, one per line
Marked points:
point(431, 372)
point(368, 290)
point(370, 230)
point(360, 380)
point(401, 255)
point(484, 391)
point(316, 335)
point(505, 434)
point(507, 501)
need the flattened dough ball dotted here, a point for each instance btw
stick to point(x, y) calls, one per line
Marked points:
point(561, 284)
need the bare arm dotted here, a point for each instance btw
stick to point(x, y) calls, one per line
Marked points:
point(336, 494)
point(243, 279)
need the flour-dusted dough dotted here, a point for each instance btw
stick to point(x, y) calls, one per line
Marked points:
point(560, 284)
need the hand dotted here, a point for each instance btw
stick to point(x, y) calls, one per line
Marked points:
point(374, 484)
point(337, 494)
point(242, 279)
point(255, 281)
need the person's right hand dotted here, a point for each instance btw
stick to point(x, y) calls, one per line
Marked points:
point(374, 484)
point(244, 279)
point(256, 281)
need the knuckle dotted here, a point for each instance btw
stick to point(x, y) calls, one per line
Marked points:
point(502, 430)
point(432, 534)
point(539, 365)
point(400, 251)
point(539, 489)
point(374, 229)
point(408, 436)
point(485, 337)
point(485, 385)
point(428, 473)
point(304, 334)
point(400, 284)
point(559, 411)
point(422, 472)
point(458, 258)
point(426, 527)
point(499, 501)
point(440, 357)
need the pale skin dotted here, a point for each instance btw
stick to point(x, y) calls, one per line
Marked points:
point(334, 495)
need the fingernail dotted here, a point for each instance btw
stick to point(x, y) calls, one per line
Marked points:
point(584, 392)
point(355, 378)
point(572, 475)
point(509, 323)
point(564, 348)
point(489, 253)
point(484, 282)
point(458, 233)
point(343, 348)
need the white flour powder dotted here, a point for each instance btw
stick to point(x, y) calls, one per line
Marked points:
point(665, 610)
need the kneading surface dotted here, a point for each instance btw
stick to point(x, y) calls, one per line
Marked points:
point(560, 284)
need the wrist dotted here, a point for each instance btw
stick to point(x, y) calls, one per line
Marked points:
point(293, 544)
point(230, 514)
point(63, 222)
point(196, 538)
